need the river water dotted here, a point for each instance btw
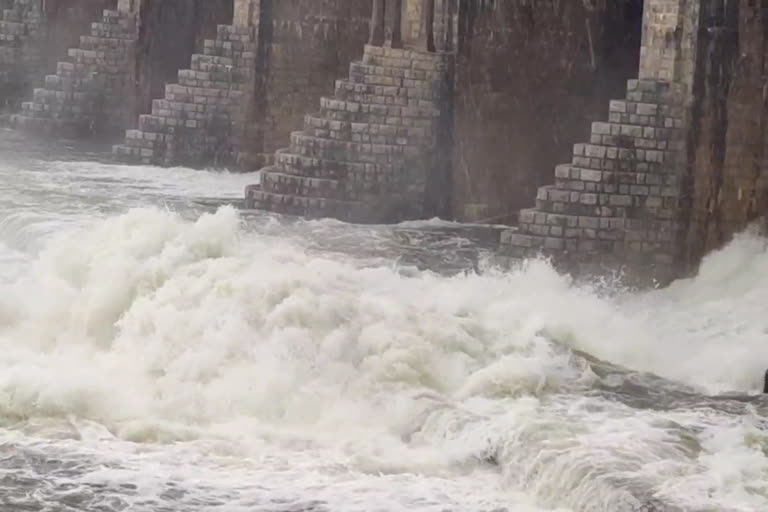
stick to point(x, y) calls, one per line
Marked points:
point(160, 352)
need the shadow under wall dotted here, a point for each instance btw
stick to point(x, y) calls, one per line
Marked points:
point(529, 82)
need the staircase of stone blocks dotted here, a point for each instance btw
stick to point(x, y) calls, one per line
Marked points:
point(87, 87)
point(617, 200)
point(198, 112)
point(12, 30)
point(20, 20)
point(363, 156)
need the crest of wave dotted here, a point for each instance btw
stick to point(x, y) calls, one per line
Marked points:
point(158, 326)
point(146, 314)
point(203, 320)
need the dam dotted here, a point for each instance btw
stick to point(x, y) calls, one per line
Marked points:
point(595, 130)
point(354, 256)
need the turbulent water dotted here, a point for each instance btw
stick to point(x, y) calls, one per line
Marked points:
point(160, 352)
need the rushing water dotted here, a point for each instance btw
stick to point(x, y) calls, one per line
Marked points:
point(160, 352)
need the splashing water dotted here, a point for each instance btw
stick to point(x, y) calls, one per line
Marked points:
point(162, 353)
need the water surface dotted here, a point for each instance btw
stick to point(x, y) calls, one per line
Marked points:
point(160, 351)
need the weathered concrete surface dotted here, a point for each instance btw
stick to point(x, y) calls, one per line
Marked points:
point(530, 78)
point(713, 175)
point(728, 137)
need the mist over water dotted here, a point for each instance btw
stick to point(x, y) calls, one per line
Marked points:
point(161, 351)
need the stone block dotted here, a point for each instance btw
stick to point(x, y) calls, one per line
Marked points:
point(374, 137)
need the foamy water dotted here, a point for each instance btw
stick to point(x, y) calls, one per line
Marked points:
point(160, 351)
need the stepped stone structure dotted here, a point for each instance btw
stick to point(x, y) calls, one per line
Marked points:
point(530, 78)
point(631, 197)
point(91, 87)
point(34, 35)
point(87, 67)
point(480, 102)
point(617, 205)
point(20, 29)
point(372, 150)
point(200, 115)
point(617, 202)
point(251, 85)
point(366, 154)
point(308, 46)
point(453, 108)
point(242, 88)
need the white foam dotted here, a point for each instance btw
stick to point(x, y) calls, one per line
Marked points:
point(164, 329)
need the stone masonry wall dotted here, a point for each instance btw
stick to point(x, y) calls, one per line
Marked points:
point(111, 74)
point(169, 33)
point(228, 110)
point(718, 51)
point(311, 43)
point(616, 204)
point(530, 78)
point(728, 186)
point(22, 32)
point(411, 27)
point(199, 118)
point(620, 203)
point(93, 89)
point(367, 155)
point(446, 19)
point(34, 35)
point(203, 118)
point(65, 22)
point(670, 34)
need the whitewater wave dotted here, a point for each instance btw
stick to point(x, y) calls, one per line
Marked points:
point(166, 329)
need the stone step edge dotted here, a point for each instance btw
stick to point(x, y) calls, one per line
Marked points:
point(133, 154)
point(381, 176)
point(584, 247)
point(538, 217)
point(288, 152)
point(417, 136)
point(273, 180)
point(355, 107)
point(391, 149)
point(250, 189)
point(361, 67)
point(405, 53)
point(347, 85)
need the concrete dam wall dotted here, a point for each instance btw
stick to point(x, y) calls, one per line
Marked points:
point(608, 135)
